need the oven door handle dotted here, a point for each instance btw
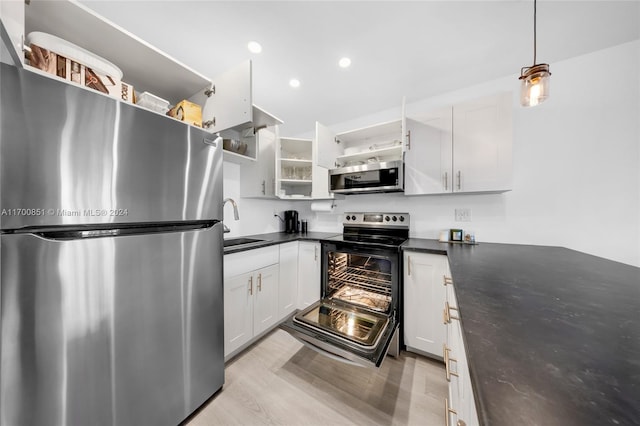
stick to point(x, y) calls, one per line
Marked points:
point(328, 354)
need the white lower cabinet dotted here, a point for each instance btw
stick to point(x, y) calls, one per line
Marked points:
point(309, 255)
point(288, 290)
point(250, 296)
point(460, 405)
point(424, 292)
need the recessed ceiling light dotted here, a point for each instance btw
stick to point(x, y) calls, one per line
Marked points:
point(294, 82)
point(344, 62)
point(254, 47)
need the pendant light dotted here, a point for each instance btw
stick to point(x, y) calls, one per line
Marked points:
point(535, 79)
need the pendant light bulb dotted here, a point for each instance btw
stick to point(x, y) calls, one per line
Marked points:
point(535, 79)
point(535, 85)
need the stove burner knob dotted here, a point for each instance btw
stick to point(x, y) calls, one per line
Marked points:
point(401, 218)
point(353, 218)
point(394, 218)
point(387, 218)
point(348, 217)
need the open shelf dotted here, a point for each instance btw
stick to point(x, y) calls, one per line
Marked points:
point(143, 66)
point(389, 153)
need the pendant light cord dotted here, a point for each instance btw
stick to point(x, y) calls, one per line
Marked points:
point(534, 31)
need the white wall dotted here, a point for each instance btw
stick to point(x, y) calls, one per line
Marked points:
point(576, 165)
point(256, 215)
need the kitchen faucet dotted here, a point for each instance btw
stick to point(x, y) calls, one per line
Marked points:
point(235, 213)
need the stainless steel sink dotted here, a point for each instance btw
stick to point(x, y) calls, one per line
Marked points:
point(245, 242)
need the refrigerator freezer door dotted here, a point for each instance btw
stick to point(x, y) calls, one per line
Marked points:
point(70, 156)
point(115, 330)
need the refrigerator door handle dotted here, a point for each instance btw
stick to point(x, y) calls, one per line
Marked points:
point(214, 143)
point(61, 233)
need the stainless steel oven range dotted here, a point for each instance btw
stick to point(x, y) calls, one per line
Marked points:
point(357, 317)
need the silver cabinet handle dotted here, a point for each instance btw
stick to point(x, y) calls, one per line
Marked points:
point(447, 280)
point(251, 285)
point(446, 181)
point(409, 140)
point(259, 282)
point(445, 355)
point(459, 180)
point(409, 265)
point(315, 253)
point(264, 187)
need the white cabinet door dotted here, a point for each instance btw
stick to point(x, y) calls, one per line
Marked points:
point(12, 15)
point(257, 179)
point(238, 311)
point(227, 103)
point(482, 148)
point(328, 148)
point(309, 255)
point(265, 306)
point(424, 296)
point(320, 174)
point(428, 155)
point(288, 289)
point(461, 398)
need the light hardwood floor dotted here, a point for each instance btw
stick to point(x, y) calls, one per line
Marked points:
point(278, 381)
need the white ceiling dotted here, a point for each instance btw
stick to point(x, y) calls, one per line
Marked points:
point(415, 48)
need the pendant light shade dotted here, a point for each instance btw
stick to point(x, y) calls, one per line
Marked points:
point(535, 79)
point(535, 84)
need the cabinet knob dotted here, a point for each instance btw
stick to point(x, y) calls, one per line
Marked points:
point(251, 285)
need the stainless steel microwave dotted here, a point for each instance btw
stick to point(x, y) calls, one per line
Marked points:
point(366, 178)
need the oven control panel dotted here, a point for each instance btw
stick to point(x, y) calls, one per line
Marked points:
point(377, 219)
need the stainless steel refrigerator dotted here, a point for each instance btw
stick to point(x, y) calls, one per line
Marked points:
point(111, 248)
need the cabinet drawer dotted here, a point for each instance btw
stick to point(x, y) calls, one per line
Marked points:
point(250, 260)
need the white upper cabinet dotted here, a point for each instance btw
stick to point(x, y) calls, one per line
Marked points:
point(376, 143)
point(257, 178)
point(428, 156)
point(12, 15)
point(226, 102)
point(328, 147)
point(482, 144)
point(294, 168)
point(463, 148)
point(298, 175)
point(242, 143)
point(143, 66)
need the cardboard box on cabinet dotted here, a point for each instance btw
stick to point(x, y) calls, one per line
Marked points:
point(77, 73)
point(188, 112)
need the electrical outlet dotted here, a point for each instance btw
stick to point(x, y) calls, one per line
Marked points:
point(463, 215)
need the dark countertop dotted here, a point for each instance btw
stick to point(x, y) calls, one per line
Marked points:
point(552, 335)
point(277, 238)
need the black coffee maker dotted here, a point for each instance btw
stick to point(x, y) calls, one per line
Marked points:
point(291, 223)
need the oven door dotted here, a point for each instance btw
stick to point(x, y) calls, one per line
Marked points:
point(332, 330)
point(356, 319)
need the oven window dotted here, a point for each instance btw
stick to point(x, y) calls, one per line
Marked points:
point(350, 323)
point(360, 280)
